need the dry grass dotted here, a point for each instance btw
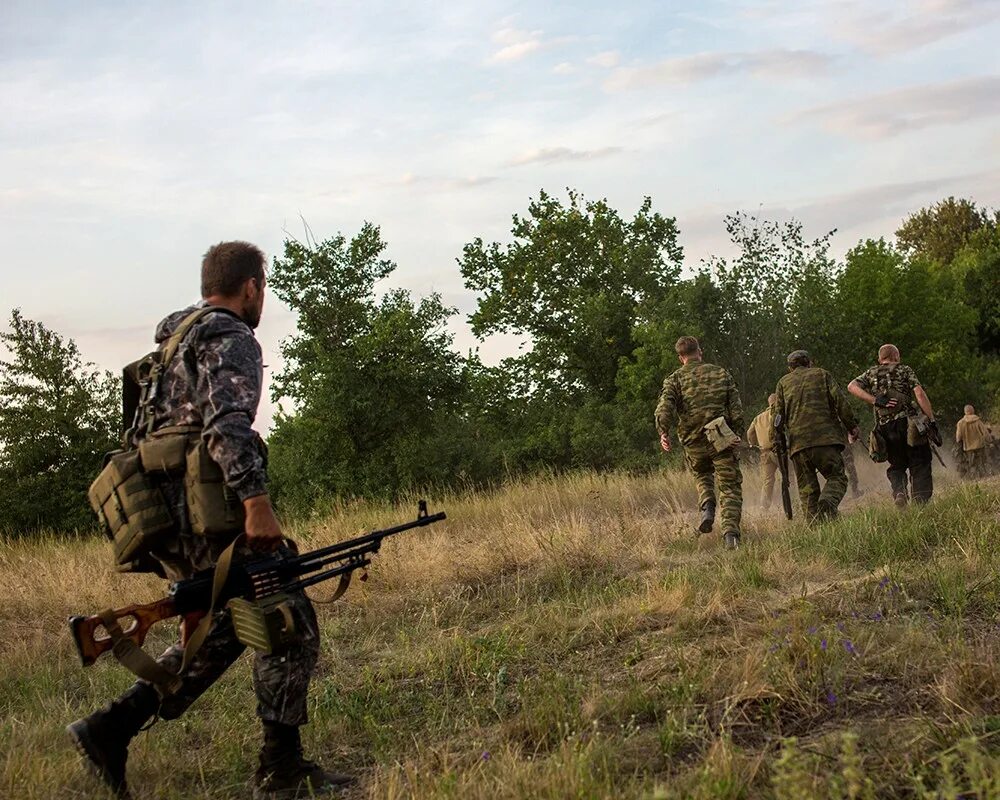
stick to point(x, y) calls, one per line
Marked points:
point(571, 638)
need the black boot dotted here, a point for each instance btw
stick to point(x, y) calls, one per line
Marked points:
point(707, 517)
point(731, 540)
point(103, 737)
point(284, 774)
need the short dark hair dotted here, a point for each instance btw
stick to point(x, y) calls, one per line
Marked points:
point(228, 265)
point(687, 346)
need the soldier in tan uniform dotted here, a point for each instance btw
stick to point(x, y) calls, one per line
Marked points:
point(694, 398)
point(974, 438)
point(760, 434)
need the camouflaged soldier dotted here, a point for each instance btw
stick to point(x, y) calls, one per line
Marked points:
point(692, 397)
point(214, 384)
point(760, 434)
point(895, 394)
point(814, 413)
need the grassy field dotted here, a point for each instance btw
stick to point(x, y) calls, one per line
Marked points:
point(572, 638)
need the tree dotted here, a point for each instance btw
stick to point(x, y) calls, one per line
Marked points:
point(374, 381)
point(938, 233)
point(58, 417)
point(576, 280)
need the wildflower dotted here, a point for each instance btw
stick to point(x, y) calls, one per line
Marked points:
point(812, 630)
point(877, 616)
point(884, 582)
point(831, 698)
point(822, 645)
point(840, 627)
point(849, 647)
point(486, 755)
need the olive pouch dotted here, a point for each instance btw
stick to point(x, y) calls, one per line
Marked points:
point(132, 509)
point(213, 508)
point(877, 448)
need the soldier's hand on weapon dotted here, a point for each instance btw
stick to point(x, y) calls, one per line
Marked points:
point(263, 530)
point(884, 401)
point(854, 435)
point(665, 442)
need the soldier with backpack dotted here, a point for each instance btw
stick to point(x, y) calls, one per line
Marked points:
point(187, 491)
point(904, 425)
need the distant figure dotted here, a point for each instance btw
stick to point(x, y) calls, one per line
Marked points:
point(851, 467)
point(974, 438)
point(760, 434)
point(814, 413)
point(894, 392)
point(694, 398)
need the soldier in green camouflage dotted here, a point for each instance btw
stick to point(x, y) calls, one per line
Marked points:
point(813, 414)
point(692, 397)
point(895, 394)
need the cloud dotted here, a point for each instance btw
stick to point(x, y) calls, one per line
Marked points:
point(607, 59)
point(514, 44)
point(437, 183)
point(704, 66)
point(564, 68)
point(888, 114)
point(885, 33)
point(552, 155)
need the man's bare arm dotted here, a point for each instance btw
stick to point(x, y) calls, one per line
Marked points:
point(855, 388)
point(923, 401)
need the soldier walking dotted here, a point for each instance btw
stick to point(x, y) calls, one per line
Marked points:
point(694, 398)
point(213, 386)
point(760, 434)
point(813, 414)
point(974, 438)
point(894, 392)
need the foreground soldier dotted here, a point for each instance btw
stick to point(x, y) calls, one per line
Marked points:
point(974, 438)
point(813, 414)
point(760, 434)
point(694, 396)
point(895, 394)
point(213, 385)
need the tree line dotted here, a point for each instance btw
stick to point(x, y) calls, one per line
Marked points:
point(384, 403)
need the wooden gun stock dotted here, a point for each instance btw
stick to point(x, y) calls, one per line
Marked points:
point(93, 640)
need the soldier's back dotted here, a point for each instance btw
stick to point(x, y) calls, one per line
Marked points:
point(704, 391)
point(810, 417)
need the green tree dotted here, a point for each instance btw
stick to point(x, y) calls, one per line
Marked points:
point(888, 297)
point(58, 417)
point(576, 279)
point(374, 381)
point(938, 233)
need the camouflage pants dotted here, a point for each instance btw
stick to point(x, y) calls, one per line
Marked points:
point(280, 680)
point(768, 469)
point(828, 461)
point(976, 464)
point(850, 467)
point(706, 464)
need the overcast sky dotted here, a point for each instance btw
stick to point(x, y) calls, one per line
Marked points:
point(136, 134)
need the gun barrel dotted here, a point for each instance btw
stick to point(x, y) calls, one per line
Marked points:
point(368, 539)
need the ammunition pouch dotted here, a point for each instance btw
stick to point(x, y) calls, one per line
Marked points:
point(266, 625)
point(877, 447)
point(213, 508)
point(132, 510)
point(720, 435)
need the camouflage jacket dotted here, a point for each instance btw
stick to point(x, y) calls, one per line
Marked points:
point(693, 396)
point(214, 382)
point(896, 380)
point(813, 409)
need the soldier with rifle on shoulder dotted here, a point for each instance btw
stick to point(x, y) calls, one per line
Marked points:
point(193, 446)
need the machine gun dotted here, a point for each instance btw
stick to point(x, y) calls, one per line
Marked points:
point(252, 589)
point(781, 452)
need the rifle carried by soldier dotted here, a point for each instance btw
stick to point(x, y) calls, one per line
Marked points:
point(253, 590)
point(781, 452)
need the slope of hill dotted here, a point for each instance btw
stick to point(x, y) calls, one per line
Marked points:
point(572, 638)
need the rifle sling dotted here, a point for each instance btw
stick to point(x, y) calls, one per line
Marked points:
point(141, 664)
point(345, 581)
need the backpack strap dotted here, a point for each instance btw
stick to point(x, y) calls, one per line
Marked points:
point(151, 386)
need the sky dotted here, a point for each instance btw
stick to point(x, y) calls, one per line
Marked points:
point(135, 135)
